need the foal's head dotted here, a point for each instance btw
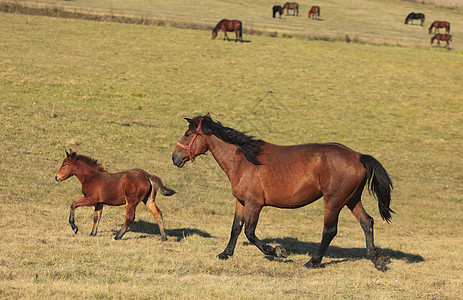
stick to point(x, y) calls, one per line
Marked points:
point(69, 166)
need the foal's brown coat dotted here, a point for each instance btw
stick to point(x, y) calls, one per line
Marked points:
point(264, 174)
point(103, 188)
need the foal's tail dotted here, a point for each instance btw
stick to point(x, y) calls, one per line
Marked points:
point(379, 184)
point(156, 182)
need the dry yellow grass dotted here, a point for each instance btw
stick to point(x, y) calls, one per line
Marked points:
point(78, 84)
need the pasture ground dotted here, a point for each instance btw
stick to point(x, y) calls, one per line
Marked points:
point(361, 21)
point(120, 92)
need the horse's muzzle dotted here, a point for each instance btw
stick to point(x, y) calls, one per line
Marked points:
point(57, 178)
point(178, 160)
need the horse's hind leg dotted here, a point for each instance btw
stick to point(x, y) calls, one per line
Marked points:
point(367, 223)
point(96, 218)
point(157, 216)
point(129, 217)
point(330, 229)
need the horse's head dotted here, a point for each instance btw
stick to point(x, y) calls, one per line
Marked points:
point(67, 167)
point(192, 144)
point(214, 34)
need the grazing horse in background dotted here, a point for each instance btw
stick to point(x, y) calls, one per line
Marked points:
point(412, 16)
point(314, 11)
point(442, 37)
point(103, 188)
point(291, 5)
point(277, 9)
point(264, 174)
point(439, 24)
point(228, 25)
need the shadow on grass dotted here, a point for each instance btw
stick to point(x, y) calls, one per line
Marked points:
point(294, 246)
point(152, 228)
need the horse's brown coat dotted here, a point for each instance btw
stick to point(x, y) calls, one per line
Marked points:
point(288, 177)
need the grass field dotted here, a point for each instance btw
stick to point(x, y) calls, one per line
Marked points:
point(365, 21)
point(119, 93)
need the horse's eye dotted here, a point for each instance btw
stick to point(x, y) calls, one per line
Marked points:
point(187, 135)
point(63, 166)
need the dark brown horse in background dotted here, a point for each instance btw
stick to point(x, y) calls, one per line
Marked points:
point(277, 9)
point(314, 12)
point(439, 24)
point(415, 16)
point(293, 6)
point(442, 37)
point(103, 188)
point(229, 25)
point(264, 174)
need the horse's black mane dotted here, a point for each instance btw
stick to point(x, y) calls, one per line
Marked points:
point(220, 22)
point(90, 161)
point(250, 146)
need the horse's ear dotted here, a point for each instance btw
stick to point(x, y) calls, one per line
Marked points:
point(189, 120)
point(208, 115)
point(67, 154)
point(72, 154)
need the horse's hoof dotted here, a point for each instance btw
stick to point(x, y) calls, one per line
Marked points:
point(75, 230)
point(280, 252)
point(381, 263)
point(311, 265)
point(163, 238)
point(113, 240)
point(223, 256)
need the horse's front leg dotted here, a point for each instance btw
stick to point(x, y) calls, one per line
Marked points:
point(86, 201)
point(96, 218)
point(225, 36)
point(251, 217)
point(237, 226)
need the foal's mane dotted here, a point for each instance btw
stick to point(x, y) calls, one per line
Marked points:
point(90, 161)
point(250, 146)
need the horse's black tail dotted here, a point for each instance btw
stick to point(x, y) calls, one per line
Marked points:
point(274, 12)
point(379, 184)
point(319, 11)
point(297, 9)
point(156, 182)
point(449, 29)
point(241, 31)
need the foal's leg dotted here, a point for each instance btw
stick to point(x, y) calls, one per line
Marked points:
point(129, 217)
point(237, 226)
point(96, 218)
point(157, 216)
point(75, 204)
point(330, 229)
point(251, 216)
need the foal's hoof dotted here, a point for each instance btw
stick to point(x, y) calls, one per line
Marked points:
point(163, 238)
point(75, 230)
point(280, 252)
point(223, 256)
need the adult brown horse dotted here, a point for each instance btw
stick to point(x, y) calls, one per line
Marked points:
point(439, 24)
point(229, 25)
point(265, 174)
point(314, 12)
point(293, 6)
point(442, 37)
point(103, 188)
